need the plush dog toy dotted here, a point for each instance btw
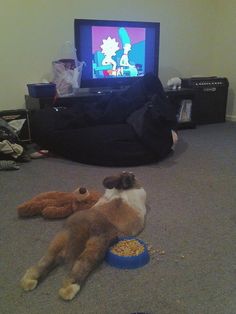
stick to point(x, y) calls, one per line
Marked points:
point(56, 204)
point(174, 83)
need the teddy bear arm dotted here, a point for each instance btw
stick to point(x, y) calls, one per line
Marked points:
point(30, 208)
point(34, 207)
point(51, 195)
point(53, 212)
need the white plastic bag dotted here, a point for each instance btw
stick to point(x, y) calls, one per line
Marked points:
point(67, 76)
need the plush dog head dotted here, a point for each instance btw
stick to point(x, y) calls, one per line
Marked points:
point(123, 181)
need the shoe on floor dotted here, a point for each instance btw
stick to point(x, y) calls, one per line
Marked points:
point(8, 165)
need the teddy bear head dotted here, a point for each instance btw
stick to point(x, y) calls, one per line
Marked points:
point(81, 193)
point(85, 198)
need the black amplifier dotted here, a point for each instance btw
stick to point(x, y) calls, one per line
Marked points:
point(209, 104)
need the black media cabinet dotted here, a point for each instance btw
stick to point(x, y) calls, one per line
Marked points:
point(183, 101)
point(201, 100)
point(176, 97)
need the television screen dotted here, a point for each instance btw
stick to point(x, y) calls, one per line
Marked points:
point(116, 52)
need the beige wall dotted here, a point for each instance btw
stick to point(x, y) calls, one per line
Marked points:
point(197, 38)
point(224, 60)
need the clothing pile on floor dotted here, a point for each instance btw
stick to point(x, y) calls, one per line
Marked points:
point(13, 151)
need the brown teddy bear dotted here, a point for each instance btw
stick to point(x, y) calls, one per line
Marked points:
point(56, 204)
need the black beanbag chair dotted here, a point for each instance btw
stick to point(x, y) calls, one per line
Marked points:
point(130, 129)
point(106, 145)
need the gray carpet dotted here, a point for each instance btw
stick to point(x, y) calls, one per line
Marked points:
point(192, 217)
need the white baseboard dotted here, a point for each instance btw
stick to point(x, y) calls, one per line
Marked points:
point(231, 118)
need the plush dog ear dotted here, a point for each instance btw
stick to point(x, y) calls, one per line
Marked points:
point(111, 182)
point(127, 180)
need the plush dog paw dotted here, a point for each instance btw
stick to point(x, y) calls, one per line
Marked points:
point(28, 284)
point(29, 281)
point(69, 292)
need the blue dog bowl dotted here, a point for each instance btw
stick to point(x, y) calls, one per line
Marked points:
point(127, 262)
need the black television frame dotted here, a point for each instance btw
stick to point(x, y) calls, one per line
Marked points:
point(112, 83)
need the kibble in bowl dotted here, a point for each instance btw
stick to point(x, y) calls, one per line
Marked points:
point(127, 253)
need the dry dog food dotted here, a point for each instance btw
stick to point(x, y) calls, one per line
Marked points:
point(127, 248)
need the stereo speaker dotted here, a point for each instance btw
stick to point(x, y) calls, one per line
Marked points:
point(209, 105)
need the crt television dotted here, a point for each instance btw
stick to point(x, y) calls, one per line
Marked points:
point(116, 53)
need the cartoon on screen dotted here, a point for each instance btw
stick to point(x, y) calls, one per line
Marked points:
point(118, 51)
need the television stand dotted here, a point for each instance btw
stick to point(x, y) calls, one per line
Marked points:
point(183, 101)
point(99, 91)
point(91, 96)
